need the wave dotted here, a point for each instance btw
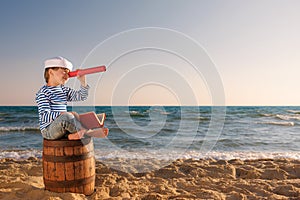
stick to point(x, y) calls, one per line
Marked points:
point(134, 113)
point(10, 128)
point(294, 111)
point(278, 123)
point(282, 116)
point(170, 155)
point(166, 113)
point(266, 115)
point(21, 154)
point(287, 117)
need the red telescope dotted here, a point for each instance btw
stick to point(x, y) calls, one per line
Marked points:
point(80, 72)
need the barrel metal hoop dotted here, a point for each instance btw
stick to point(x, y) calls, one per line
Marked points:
point(68, 184)
point(63, 159)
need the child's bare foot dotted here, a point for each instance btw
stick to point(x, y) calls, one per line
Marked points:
point(77, 136)
point(98, 133)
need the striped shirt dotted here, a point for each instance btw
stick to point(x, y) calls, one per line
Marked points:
point(52, 100)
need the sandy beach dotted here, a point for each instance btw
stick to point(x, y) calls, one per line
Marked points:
point(182, 179)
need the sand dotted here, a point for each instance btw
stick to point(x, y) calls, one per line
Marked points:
point(182, 179)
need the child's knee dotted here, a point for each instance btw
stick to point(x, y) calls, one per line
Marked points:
point(67, 116)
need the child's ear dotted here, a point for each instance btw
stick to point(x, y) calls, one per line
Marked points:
point(50, 71)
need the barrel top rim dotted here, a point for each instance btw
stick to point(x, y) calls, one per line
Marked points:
point(67, 143)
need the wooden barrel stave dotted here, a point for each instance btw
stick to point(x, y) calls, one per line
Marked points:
point(69, 166)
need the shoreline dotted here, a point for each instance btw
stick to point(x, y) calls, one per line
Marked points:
point(181, 179)
point(23, 154)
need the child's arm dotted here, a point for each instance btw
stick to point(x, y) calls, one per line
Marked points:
point(44, 108)
point(82, 80)
point(77, 95)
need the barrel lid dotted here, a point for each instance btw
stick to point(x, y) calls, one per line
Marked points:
point(67, 143)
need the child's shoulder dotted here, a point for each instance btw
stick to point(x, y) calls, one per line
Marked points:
point(52, 89)
point(44, 90)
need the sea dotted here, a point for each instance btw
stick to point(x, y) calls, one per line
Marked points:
point(169, 132)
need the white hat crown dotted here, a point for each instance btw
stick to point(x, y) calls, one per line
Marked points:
point(58, 62)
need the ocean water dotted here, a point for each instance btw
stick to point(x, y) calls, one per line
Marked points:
point(168, 132)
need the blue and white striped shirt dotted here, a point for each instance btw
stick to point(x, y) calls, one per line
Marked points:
point(52, 100)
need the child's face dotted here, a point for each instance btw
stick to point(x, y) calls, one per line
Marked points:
point(60, 75)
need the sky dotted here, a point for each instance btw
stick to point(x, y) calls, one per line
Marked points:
point(247, 52)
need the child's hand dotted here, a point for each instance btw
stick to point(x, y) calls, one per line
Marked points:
point(76, 115)
point(82, 80)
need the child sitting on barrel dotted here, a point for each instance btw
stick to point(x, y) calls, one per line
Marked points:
point(55, 121)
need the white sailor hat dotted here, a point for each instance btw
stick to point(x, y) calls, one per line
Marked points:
point(58, 62)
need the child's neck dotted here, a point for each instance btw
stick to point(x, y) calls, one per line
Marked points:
point(53, 83)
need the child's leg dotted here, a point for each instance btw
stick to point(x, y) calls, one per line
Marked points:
point(77, 136)
point(65, 122)
point(99, 132)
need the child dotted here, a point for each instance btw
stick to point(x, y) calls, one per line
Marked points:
point(52, 100)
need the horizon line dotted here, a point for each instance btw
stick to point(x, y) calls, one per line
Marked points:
point(152, 105)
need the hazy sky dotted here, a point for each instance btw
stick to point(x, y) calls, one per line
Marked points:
point(255, 46)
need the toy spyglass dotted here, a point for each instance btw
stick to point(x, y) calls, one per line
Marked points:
point(80, 72)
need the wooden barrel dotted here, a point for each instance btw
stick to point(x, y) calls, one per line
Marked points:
point(69, 165)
